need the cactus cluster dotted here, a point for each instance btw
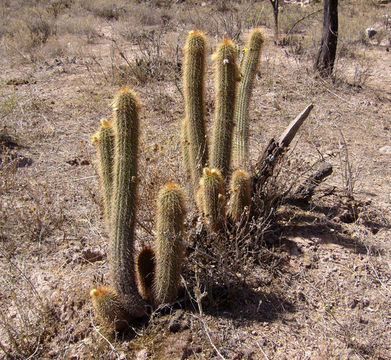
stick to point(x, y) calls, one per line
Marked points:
point(153, 275)
point(230, 128)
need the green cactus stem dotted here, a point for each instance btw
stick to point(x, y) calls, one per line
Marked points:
point(240, 194)
point(193, 84)
point(185, 148)
point(126, 128)
point(168, 243)
point(105, 148)
point(109, 307)
point(248, 71)
point(145, 271)
point(210, 198)
point(226, 76)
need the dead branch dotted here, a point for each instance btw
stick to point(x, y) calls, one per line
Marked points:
point(265, 165)
point(290, 132)
point(306, 189)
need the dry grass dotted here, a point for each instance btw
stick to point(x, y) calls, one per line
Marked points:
point(311, 281)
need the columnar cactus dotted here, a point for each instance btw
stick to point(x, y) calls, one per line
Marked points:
point(105, 140)
point(211, 199)
point(168, 243)
point(124, 198)
point(154, 276)
point(240, 194)
point(248, 70)
point(193, 83)
point(226, 77)
point(185, 149)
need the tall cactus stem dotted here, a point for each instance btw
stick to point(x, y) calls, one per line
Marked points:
point(226, 76)
point(168, 243)
point(105, 148)
point(194, 92)
point(210, 198)
point(248, 71)
point(126, 127)
point(185, 149)
point(240, 194)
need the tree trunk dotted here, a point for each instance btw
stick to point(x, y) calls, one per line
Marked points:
point(325, 58)
point(275, 4)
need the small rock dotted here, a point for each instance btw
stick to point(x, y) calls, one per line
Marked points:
point(92, 255)
point(385, 150)
point(175, 323)
point(17, 82)
point(363, 321)
point(370, 32)
point(142, 355)
point(353, 303)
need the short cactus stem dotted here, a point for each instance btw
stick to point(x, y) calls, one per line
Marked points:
point(226, 76)
point(211, 199)
point(248, 71)
point(109, 307)
point(240, 194)
point(193, 84)
point(168, 243)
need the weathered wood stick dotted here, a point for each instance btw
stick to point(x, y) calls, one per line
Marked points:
point(290, 132)
point(264, 167)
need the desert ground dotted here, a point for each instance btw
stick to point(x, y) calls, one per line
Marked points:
point(314, 284)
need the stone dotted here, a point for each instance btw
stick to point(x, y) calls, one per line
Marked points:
point(385, 150)
point(370, 32)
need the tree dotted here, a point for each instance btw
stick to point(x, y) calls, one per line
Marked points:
point(325, 58)
point(275, 13)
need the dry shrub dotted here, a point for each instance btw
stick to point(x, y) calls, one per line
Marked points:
point(24, 35)
point(85, 26)
point(150, 61)
point(297, 19)
point(26, 321)
point(109, 10)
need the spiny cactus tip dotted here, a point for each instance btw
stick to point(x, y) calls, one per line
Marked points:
point(258, 35)
point(124, 90)
point(209, 172)
point(105, 123)
point(96, 292)
point(226, 41)
point(171, 185)
point(95, 138)
point(196, 32)
point(241, 172)
point(215, 172)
